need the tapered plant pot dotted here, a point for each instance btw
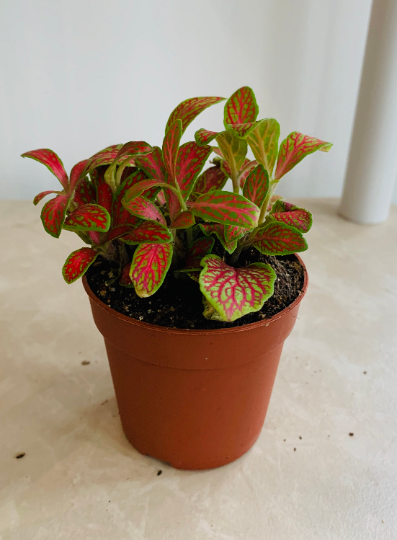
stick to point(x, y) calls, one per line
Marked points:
point(196, 399)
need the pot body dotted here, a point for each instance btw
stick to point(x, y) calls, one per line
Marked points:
point(194, 399)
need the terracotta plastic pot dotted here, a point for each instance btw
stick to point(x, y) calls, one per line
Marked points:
point(196, 399)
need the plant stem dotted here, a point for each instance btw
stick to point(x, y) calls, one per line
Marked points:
point(189, 237)
point(234, 257)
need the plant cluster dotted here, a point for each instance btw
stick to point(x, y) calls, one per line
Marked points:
point(159, 201)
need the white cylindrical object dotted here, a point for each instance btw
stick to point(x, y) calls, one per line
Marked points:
point(372, 165)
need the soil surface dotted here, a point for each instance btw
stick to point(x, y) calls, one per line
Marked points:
point(178, 302)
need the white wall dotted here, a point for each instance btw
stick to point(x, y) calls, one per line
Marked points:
point(78, 75)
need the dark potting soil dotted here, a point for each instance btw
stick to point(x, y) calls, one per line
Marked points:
point(178, 302)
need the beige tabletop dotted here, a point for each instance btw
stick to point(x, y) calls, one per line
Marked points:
point(324, 467)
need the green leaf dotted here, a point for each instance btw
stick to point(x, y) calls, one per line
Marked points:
point(234, 292)
point(279, 239)
point(263, 140)
point(226, 208)
point(149, 267)
point(241, 107)
point(294, 148)
point(233, 150)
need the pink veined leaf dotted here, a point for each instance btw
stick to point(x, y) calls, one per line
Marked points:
point(189, 109)
point(41, 196)
point(77, 174)
point(144, 209)
point(53, 215)
point(211, 179)
point(142, 186)
point(125, 280)
point(105, 196)
point(219, 231)
point(217, 151)
point(201, 247)
point(95, 237)
point(226, 208)
point(89, 217)
point(226, 168)
point(245, 170)
point(279, 239)
point(292, 215)
point(241, 107)
point(52, 161)
point(78, 263)
point(134, 147)
point(152, 164)
point(174, 205)
point(183, 221)
point(191, 160)
point(149, 267)
point(148, 232)
point(233, 233)
point(257, 185)
point(294, 148)
point(243, 130)
point(104, 157)
point(84, 193)
point(170, 148)
point(204, 136)
point(234, 292)
point(161, 197)
point(119, 213)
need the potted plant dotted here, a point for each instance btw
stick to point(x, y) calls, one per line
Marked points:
point(194, 288)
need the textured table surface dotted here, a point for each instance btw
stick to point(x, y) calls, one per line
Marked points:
point(306, 478)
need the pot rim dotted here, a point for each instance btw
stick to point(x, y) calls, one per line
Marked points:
point(208, 331)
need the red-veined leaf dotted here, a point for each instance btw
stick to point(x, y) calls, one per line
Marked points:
point(233, 150)
point(89, 217)
point(149, 267)
point(211, 179)
point(144, 209)
point(191, 160)
point(144, 185)
point(95, 237)
point(233, 233)
point(105, 196)
point(161, 197)
point(243, 130)
point(292, 215)
point(279, 239)
point(104, 157)
point(148, 232)
point(173, 203)
point(294, 148)
point(78, 263)
point(41, 196)
point(204, 136)
point(152, 164)
point(263, 141)
point(189, 109)
point(257, 185)
point(183, 221)
point(241, 107)
point(273, 200)
point(53, 214)
point(245, 170)
point(77, 174)
point(119, 213)
point(170, 148)
point(201, 247)
point(84, 193)
point(226, 208)
point(53, 162)
point(125, 280)
point(219, 231)
point(119, 231)
point(134, 147)
point(234, 292)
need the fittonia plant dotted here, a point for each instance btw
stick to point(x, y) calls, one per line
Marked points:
point(159, 201)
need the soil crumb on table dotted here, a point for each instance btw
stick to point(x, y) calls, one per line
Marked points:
point(178, 302)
